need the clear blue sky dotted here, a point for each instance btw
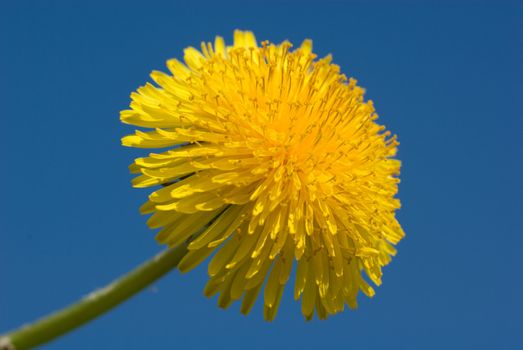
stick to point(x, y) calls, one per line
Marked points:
point(447, 78)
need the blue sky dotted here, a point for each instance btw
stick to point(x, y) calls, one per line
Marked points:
point(447, 77)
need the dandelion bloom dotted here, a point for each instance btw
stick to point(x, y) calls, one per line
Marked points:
point(272, 157)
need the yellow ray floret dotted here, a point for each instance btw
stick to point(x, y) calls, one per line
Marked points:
point(273, 159)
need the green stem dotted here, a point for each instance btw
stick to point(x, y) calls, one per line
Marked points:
point(93, 305)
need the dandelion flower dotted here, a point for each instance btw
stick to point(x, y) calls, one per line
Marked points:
point(270, 158)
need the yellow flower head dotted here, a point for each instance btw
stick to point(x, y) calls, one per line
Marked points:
point(272, 157)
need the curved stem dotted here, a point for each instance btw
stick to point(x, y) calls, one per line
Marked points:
point(94, 304)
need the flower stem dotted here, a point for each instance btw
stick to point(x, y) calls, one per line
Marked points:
point(94, 304)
